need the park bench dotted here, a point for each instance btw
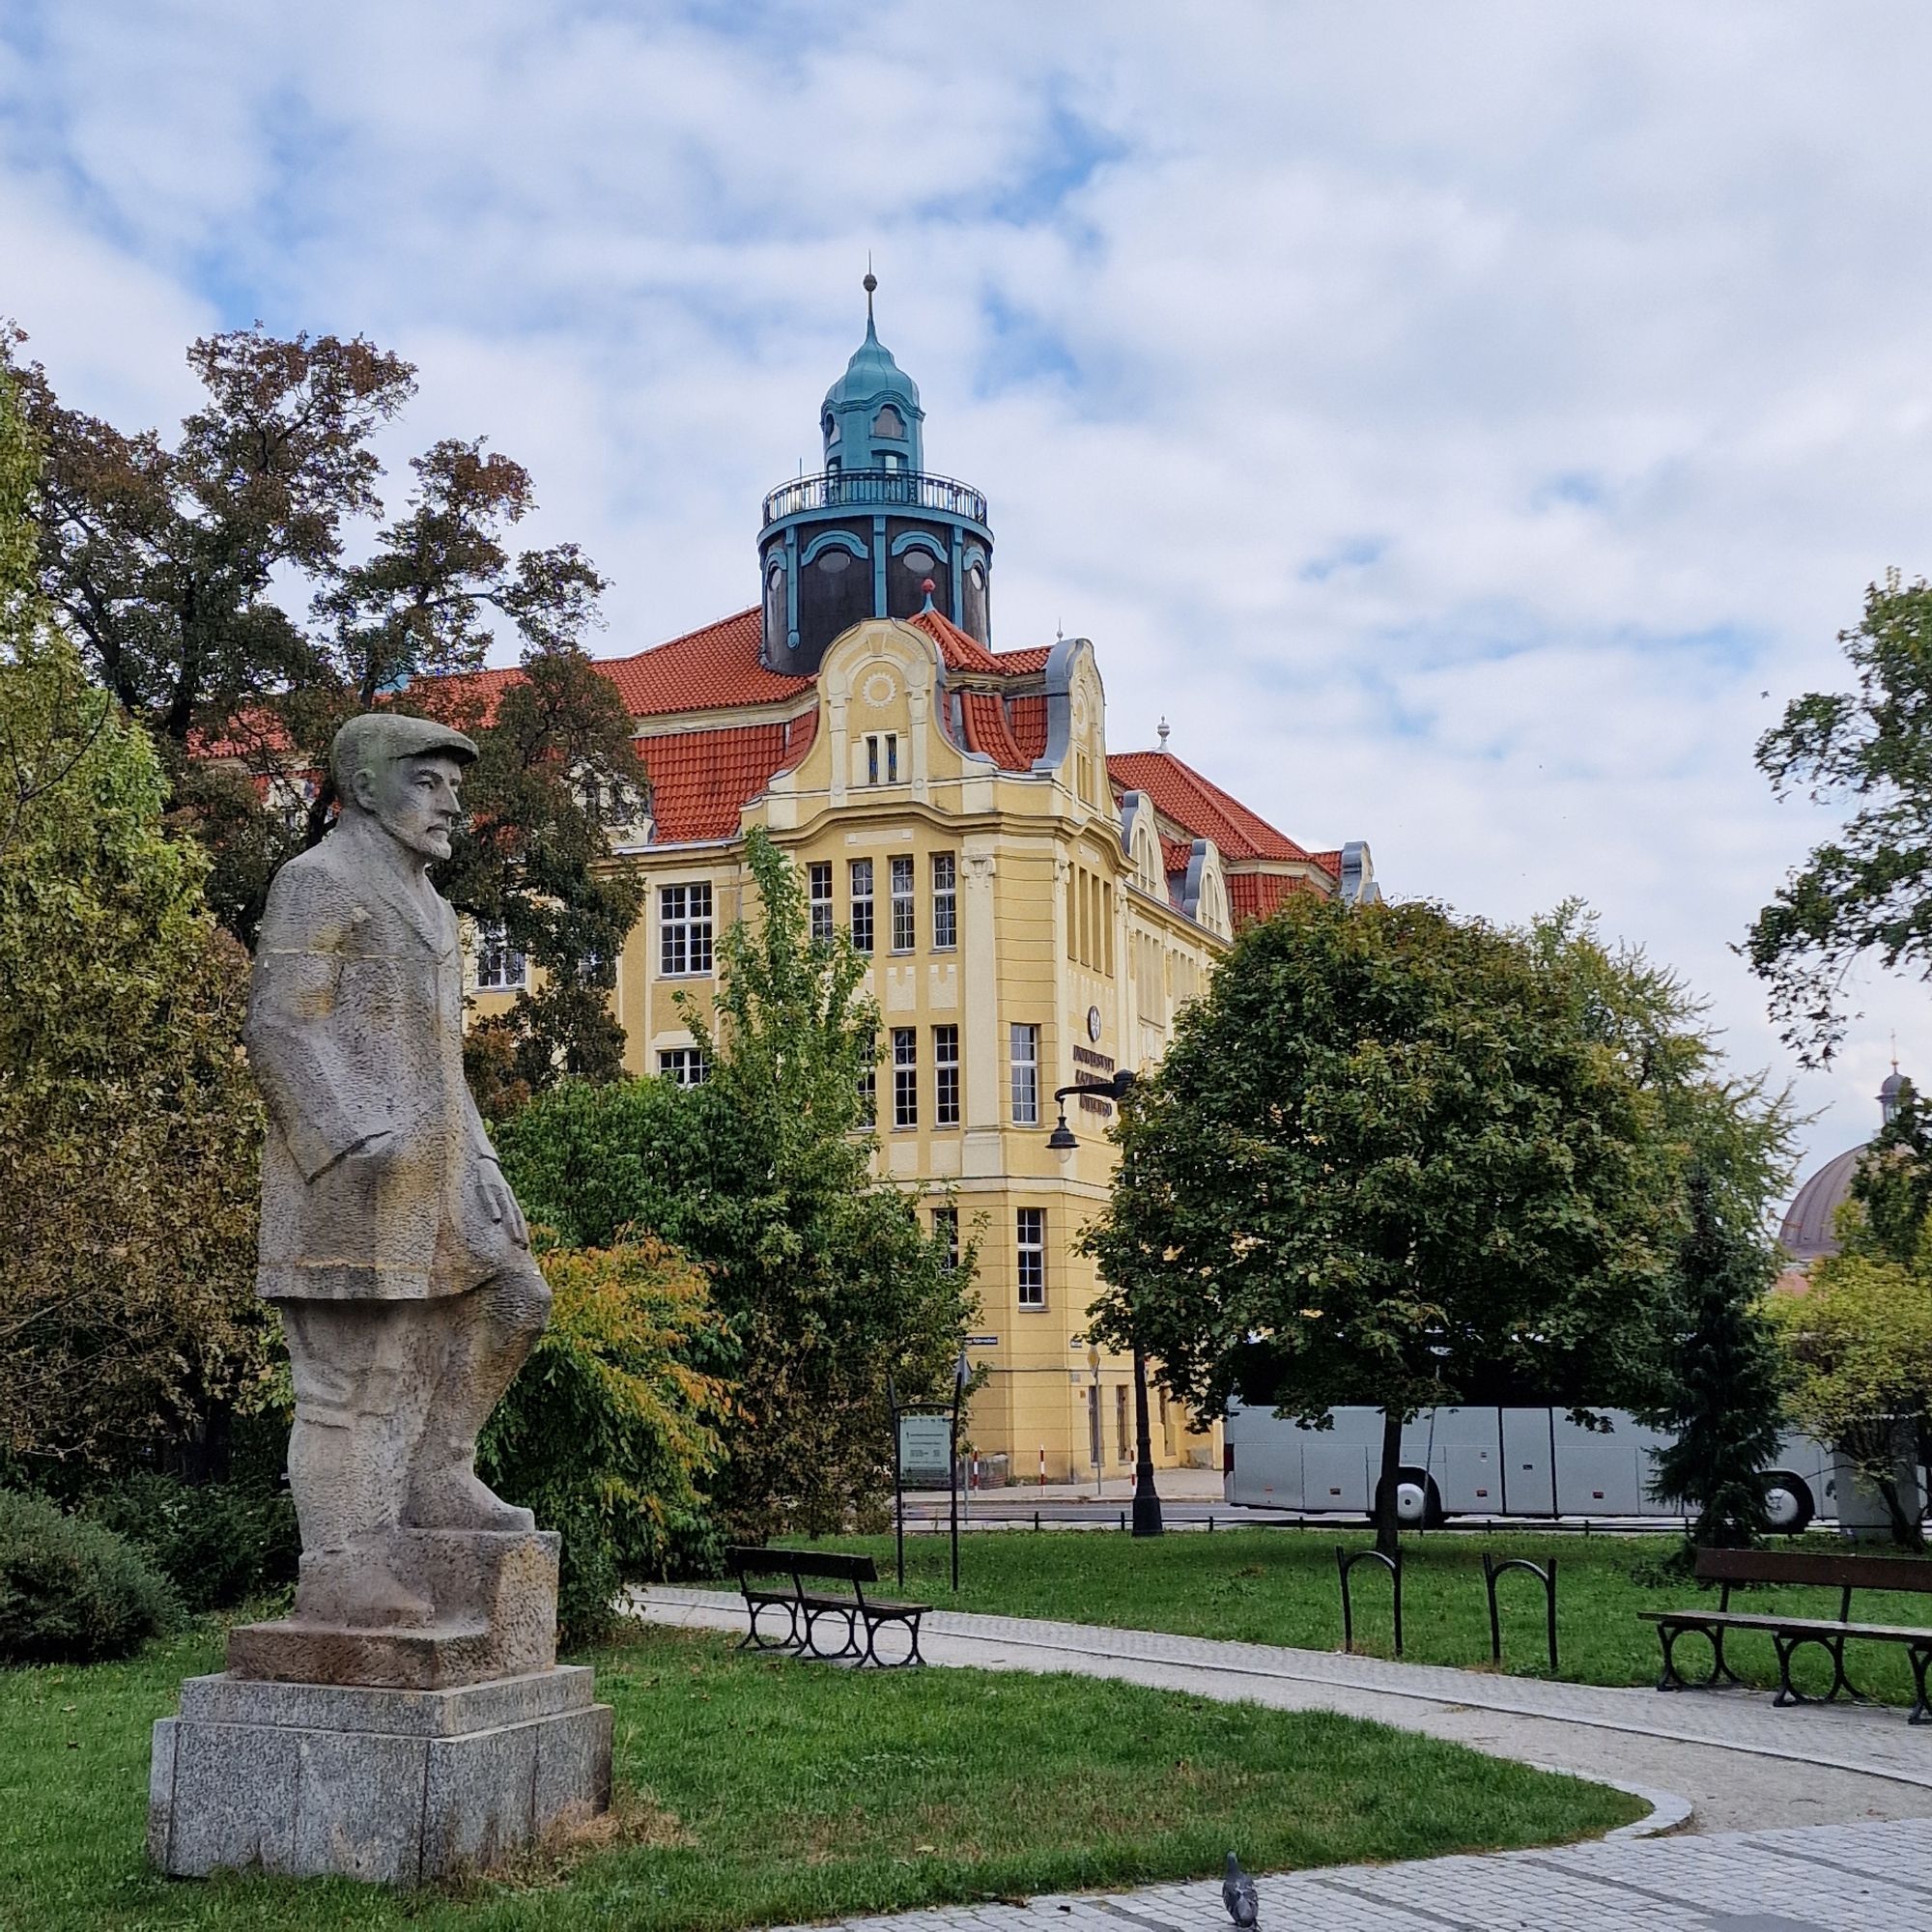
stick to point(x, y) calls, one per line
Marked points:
point(789, 1580)
point(1842, 1572)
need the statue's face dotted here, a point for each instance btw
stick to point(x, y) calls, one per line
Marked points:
point(414, 800)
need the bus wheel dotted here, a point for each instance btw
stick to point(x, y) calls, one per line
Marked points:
point(1417, 1505)
point(1787, 1502)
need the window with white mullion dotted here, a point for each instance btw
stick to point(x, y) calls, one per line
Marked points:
point(905, 1076)
point(946, 1076)
point(819, 886)
point(945, 903)
point(684, 929)
point(1025, 1062)
point(1030, 1256)
point(862, 904)
point(500, 967)
point(904, 932)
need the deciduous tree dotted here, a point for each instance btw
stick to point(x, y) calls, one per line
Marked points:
point(216, 588)
point(128, 1130)
point(1867, 890)
point(1386, 1156)
point(826, 1277)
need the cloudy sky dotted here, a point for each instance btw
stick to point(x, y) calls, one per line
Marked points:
point(1467, 425)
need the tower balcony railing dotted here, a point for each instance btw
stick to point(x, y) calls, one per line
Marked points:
point(875, 489)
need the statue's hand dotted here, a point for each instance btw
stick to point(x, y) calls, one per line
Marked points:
point(502, 1204)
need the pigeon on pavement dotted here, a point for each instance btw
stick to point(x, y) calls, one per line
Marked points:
point(1238, 1894)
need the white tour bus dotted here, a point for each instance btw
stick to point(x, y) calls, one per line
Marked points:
point(1485, 1462)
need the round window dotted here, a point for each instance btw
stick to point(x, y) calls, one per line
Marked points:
point(834, 561)
point(977, 578)
point(921, 562)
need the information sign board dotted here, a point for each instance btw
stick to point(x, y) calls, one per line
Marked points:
point(926, 1445)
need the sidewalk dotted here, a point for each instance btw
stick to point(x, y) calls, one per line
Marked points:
point(1733, 1760)
point(1864, 1878)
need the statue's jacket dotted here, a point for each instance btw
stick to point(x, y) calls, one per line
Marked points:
point(375, 1154)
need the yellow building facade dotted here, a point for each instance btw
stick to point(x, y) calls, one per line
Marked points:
point(1034, 912)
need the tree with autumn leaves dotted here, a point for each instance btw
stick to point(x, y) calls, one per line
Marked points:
point(212, 586)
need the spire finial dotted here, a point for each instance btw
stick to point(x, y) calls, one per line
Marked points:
point(870, 283)
point(1162, 734)
point(1894, 1050)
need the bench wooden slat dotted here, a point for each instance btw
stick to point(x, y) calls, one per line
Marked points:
point(1822, 1625)
point(1823, 1568)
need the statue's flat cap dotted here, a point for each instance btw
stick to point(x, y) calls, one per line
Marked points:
point(388, 735)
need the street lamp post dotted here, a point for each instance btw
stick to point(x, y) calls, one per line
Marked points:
point(1147, 1498)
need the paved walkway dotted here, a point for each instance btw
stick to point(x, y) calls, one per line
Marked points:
point(1860, 1878)
point(1719, 1761)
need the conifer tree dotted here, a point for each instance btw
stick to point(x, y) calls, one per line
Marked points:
point(1725, 1390)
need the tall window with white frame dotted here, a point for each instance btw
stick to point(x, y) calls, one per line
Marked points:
point(946, 1076)
point(685, 1064)
point(882, 758)
point(946, 1228)
point(869, 1099)
point(1025, 1052)
point(861, 905)
point(684, 928)
point(818, 886)
point(1030, 1256)
point(904, 930)
point(500, 967)
point(945, 903)
point(905, 1076)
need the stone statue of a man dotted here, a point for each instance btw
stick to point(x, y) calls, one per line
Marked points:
point(390, 1241)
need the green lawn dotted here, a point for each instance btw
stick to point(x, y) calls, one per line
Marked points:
point(763, 1790)
point(1279, 1586)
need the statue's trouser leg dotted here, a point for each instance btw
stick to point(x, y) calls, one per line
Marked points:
point(492, 1331)
point(363, 1374)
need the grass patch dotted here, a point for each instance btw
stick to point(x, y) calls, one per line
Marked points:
point(762, 1790)
point(1279, 1586)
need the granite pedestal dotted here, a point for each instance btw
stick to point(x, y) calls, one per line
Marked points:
point(494, 1594)
point(396, 1787)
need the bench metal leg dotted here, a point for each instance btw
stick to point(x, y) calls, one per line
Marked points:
point(753, 1640)
point(1921, 1710)
point(1672, 1679)
point(851, 1647)
point(874, 1625)
point(1833, 1647)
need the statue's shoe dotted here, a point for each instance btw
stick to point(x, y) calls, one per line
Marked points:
point(458, 1498)
point(353, 1589)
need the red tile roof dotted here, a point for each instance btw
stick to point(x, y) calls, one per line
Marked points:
point(1026, 718)
point(702, 670)
point(1253, 896)
point(1330, 862)
point(988, 731)
point(701, 780)
point(1180, 793)
point(960, 650)
point(1024, 663)
point(1176, 854)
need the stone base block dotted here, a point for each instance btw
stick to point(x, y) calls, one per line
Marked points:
point(394, 1786)
point(494, 1594)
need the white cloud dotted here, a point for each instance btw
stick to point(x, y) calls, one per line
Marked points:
point(1454, 420)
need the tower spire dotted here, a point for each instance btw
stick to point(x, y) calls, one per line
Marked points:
point(869, 284)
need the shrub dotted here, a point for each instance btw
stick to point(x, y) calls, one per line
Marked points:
point(217, 1544)
point(611, 1423)
point(72, 1591)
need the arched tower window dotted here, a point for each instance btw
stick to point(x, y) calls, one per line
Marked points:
point(887, 422)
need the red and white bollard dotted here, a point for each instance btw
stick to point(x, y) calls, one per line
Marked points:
point(1043, 1465)
point(975, 1479)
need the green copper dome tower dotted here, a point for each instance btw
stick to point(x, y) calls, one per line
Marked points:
point(869, 534)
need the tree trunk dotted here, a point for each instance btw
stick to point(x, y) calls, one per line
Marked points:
point(1389, 1527)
